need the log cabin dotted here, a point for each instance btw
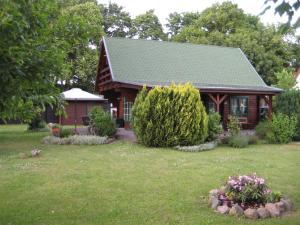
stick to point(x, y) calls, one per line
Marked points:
point(227, 81)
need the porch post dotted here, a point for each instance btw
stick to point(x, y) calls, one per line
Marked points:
point(270, 107)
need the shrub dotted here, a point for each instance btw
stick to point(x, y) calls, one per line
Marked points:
point(283, 128)
point(66, 132)
point(288, 103)
point(214, 126)
point(253, 139)
point(170, 116)
point(273, 197)
point(247, 189)
point(101, 123)
point(234, 125)
point(238, 141)
point(263, 128)
point(76, 140)
point(37, 123)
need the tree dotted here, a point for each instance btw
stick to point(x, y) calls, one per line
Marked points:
point(227, 25)
point(79, 30)
point(117, 22)
point(285, 79)
point(30, 58)
point(177, 21)
point(147, 26)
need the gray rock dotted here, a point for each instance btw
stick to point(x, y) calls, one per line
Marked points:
point(214, 202)
point(251, 213)
point(280, 206)
point(288, 204)
point(213, 192)
point(263, 213)
point(35, 152)
point(273, 209)
point(224, 209)
point(236, 210)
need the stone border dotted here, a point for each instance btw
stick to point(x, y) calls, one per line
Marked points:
point(276, 209)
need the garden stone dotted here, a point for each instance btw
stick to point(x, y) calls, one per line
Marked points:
point(263, 213)
point(236, 210)
point(214, 202)
point(35, 152)
point(251, 213)
point(213, 192)
point(224, 209)
point(288, 204)
point(273, 210)
point(280, 206)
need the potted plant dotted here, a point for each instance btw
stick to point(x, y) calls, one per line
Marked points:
point(55, 130)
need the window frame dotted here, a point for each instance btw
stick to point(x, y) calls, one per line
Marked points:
point(127, 109)
point(238, 112)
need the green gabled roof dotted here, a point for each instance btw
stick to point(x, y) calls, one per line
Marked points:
point(160, 63)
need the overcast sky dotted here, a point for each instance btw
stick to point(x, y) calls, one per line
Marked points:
point(164, 7)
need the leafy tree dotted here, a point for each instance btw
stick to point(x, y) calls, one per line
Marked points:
point(285, 79)
point(79, 30)
point(117, 22)
point(176, 21)
point(227, 25)
point(29, 58)
point(147, 26)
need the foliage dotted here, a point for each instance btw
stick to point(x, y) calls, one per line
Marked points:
point(170, 116)
point(273, 197)
point(233, 125)
point(263, 128)
point(288, 103)
point(238, 141)
point(101, 122)
point(285, 79)
point(283, 128)
point(247, 189)
point(29, 58)
point(75, 140)
point(253, 139)
point(147, 26)
point(37, 123)
point(65, 132)
point(117, 22)
point(78, 29)
point(227, 25)
point(214, 126)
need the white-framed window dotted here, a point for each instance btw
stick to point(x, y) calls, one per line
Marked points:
point(239, 106)
point(127, 110)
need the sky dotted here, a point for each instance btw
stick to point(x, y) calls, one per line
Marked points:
point(164, 7)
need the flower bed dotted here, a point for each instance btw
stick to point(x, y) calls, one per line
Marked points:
point(249, 195)
point(198, 148)
point(76, 140)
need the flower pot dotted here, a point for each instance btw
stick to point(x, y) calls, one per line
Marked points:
point(55, 131)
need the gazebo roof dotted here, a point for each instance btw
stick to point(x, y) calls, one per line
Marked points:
point(76, 94)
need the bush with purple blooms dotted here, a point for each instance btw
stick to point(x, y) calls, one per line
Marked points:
point(247, 190)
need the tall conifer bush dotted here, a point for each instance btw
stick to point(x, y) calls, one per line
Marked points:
point(170, 116)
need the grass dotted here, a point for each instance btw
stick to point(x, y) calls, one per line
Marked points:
point(125, 183)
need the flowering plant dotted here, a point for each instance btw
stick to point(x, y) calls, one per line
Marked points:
point(247, 190)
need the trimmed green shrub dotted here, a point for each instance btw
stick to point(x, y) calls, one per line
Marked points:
point(66, 132)
point(263, 128)
point(214, 126)
point(288, 103)
point(233, 125)
point(170, 116)
point(238, 141)
point(101, 123)
point(283, 128)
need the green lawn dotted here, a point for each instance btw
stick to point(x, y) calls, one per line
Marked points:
point(124, 183)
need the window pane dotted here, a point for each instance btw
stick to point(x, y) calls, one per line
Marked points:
point(239, 106)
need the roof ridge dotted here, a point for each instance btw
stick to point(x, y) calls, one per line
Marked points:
point(172, 42)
